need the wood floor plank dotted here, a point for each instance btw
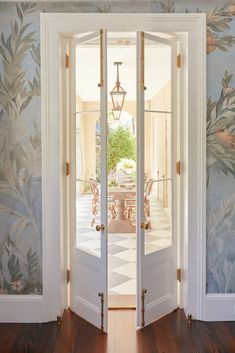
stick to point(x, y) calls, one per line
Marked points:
point(122, 332)
point(35, 338)
point(167, 337)
point(181, 333)
point(171, 334)
point(146, 341)
point(8, 332)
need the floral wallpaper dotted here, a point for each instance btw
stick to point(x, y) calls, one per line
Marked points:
point(20, 142)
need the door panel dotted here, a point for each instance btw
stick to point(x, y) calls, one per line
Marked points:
point(88, 187)
point(88, 292)
point(157, 144)
point(156, 256)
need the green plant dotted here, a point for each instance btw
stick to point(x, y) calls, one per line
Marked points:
point(121, 144)
point(127, 165)
point(112, 183)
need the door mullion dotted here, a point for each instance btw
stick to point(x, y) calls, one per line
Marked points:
point(103, 174)
point(140, 170)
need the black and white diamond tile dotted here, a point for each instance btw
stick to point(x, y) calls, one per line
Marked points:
point(115, 238)
point(115, 249)
point(114, 262)
point(115, 279)
point(121, 247)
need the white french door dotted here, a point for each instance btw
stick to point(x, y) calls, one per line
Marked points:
point(88, 292)
point(156, 212)
point(155, 186)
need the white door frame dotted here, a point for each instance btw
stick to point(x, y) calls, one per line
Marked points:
point(32, 308)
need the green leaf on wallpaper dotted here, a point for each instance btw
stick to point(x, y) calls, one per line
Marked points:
point(16, 28)
point(32, 263)
point(22, 30)
point(28, 7)
point(221, 128)
point(221, 47)
point(3, 54)
point(8, 245)
point(25, 103)
point(35, 53)
point(168, 6)
point(28, 37)
point(8, 46)
point(14, 268)
point(227, 78)
point(3, 40)
point(19, 13)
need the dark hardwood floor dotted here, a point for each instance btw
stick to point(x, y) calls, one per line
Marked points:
point(170, 334)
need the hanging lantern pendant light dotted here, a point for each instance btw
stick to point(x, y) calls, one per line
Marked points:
point(118, 93)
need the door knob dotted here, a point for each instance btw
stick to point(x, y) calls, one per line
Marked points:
point(144, 226)
point(99, 228)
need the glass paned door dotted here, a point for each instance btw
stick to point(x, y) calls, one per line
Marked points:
point(89, 235)
point(156, 126)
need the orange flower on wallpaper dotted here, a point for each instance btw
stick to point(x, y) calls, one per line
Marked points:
point(231, 9)
point(226, 137)
point(210, 43)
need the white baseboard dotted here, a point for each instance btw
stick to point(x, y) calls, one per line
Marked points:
point(219, 307)
point(24, 308)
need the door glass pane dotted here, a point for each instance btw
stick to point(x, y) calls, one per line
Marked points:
point(158, 183)
point(88, 149)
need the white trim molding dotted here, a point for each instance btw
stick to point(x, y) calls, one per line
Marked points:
point(193, 130)
point(219, 307)
point(55, 27)
point(24, 308)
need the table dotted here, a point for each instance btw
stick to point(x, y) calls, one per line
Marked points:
point(121, 224)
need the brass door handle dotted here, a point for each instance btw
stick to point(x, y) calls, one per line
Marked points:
point(144, 225)
point(100, 227)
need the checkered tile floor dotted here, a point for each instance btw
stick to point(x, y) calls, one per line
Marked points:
point(122, 246)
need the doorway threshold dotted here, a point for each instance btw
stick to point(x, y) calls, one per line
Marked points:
point(127, 301)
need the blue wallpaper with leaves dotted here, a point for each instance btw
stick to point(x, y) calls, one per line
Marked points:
point(20, 143)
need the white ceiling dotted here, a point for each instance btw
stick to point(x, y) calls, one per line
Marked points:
point(157, 69)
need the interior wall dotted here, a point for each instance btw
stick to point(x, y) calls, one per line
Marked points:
point(20, 131)
point(88, 130)
point(158, 141)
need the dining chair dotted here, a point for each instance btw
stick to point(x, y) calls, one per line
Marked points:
point(130, 204)
point(147, 205)
point(95, 199)
point(94, 187)
point(130, 209)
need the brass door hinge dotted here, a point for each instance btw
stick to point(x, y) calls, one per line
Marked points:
point(178, 274)
point(178, 61)
point(68, 276)
point(67, 168)
point(178, 168)
point(67, 61)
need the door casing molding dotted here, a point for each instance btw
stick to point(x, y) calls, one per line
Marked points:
point(54, 29)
